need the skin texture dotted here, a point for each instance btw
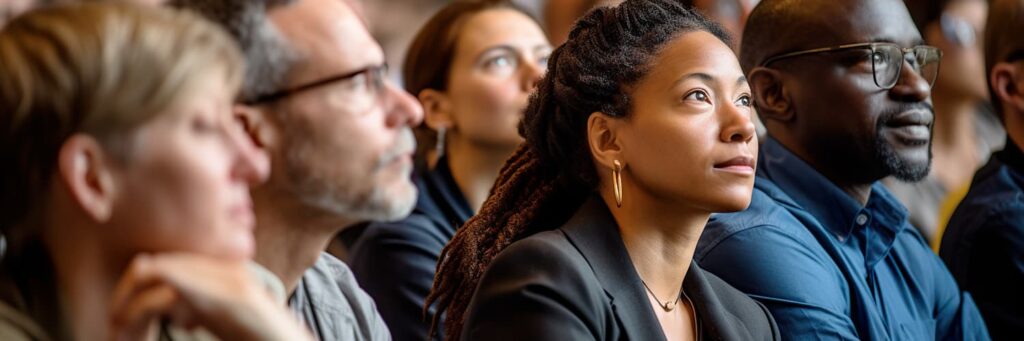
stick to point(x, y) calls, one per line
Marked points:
point(691, 116)
point(165, 231)
point(341, 152)
point(499, 57)
point(188, 179)
point(826, 108)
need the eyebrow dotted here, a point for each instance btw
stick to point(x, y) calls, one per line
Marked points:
point(883, 39)
point(503, 47)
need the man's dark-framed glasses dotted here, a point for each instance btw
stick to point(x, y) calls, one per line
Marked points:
point(369, 80)
point(886, 60)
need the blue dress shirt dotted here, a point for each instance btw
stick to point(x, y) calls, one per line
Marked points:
point(830, 268)
point(984, 243)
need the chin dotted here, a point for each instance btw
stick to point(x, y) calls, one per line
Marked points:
point(734, 201)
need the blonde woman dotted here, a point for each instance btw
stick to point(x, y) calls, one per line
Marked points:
point(125, 202)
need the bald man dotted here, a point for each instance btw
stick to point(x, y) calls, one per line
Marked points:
point(984, 241)
point(843, 88)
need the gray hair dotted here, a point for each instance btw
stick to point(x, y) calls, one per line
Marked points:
point(268, 55)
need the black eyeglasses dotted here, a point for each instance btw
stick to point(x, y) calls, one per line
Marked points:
point(363, 84)
point(886, 60)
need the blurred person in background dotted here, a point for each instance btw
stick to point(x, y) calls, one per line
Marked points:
point(473, 67)
point(341, 147)
point(984, 243)
point(126, 200)
point(966, 130)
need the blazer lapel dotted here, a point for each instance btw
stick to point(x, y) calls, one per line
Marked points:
point(596, 235)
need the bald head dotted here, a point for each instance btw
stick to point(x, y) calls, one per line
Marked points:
point(779, 26)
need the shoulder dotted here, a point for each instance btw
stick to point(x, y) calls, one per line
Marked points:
point(547, 257)
point(335, 294)
point(539, 288)
point(749, 314)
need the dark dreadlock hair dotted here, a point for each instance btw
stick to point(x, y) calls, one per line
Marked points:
point(547, 179)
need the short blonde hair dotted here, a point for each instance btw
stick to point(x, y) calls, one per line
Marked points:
point(99, 68)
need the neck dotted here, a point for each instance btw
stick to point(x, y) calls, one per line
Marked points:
point(659, 235)
point(86, 275)
point(475, 168)
point(289, 234)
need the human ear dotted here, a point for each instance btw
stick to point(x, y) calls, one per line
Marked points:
point(1005, 80)
point(771, 97)
point(86, 172)
point(261, 130)
point(604, 139)
point(436, 109)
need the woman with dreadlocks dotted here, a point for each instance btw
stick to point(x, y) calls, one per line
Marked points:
point(640, 130)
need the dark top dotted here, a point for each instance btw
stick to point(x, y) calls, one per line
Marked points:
point(395, 261)
point(830, 268)
point(577, 283)
point(984, 243)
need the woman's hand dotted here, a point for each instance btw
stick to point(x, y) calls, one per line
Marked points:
point(197, 291)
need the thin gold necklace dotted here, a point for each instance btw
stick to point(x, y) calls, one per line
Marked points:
point(668, 305)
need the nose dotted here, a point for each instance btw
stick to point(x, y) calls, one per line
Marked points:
point(402, 109)
point(532, 75)
point(737, 124)
point(251, 164)
point(911, 86)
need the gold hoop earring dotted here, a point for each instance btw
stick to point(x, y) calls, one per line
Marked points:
point(617, 181)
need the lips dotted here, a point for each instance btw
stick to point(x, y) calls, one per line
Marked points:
point(738, 163)
point(912, 127)
point(911, 118)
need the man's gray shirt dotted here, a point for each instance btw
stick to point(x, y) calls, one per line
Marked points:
point(330, 302)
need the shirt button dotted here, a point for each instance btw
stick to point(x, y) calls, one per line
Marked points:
point(862, 219)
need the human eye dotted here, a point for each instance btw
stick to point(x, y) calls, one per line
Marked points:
point(698, 95)
point(744, 101)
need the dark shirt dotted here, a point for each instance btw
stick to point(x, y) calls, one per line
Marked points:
point(984, 243)
point(830, 268)
point(577, 283)
point(395, 261)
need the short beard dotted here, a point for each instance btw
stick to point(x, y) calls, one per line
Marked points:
point(893, 164)
point(343, 198)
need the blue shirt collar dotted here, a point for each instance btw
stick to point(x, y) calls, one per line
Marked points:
point(832, 207)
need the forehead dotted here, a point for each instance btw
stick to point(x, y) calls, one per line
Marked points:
point(500, 26)
point(693, 52)
point(854, 21)
point(329, 37)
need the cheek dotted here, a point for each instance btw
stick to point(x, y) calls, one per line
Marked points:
point(180, 202)
point(672, 155)
point(482, 103)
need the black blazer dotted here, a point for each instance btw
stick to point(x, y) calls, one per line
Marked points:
point(577, 283)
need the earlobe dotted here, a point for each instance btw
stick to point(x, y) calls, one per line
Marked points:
point(436, 109)
point(258, 129)
point(771, 97)
point(83, 170)
point(604, 140)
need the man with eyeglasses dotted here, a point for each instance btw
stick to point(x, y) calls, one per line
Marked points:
point(984, 241)
point(339, 138)
point(843, 89)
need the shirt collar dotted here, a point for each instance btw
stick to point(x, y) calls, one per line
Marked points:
point(833, 207)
